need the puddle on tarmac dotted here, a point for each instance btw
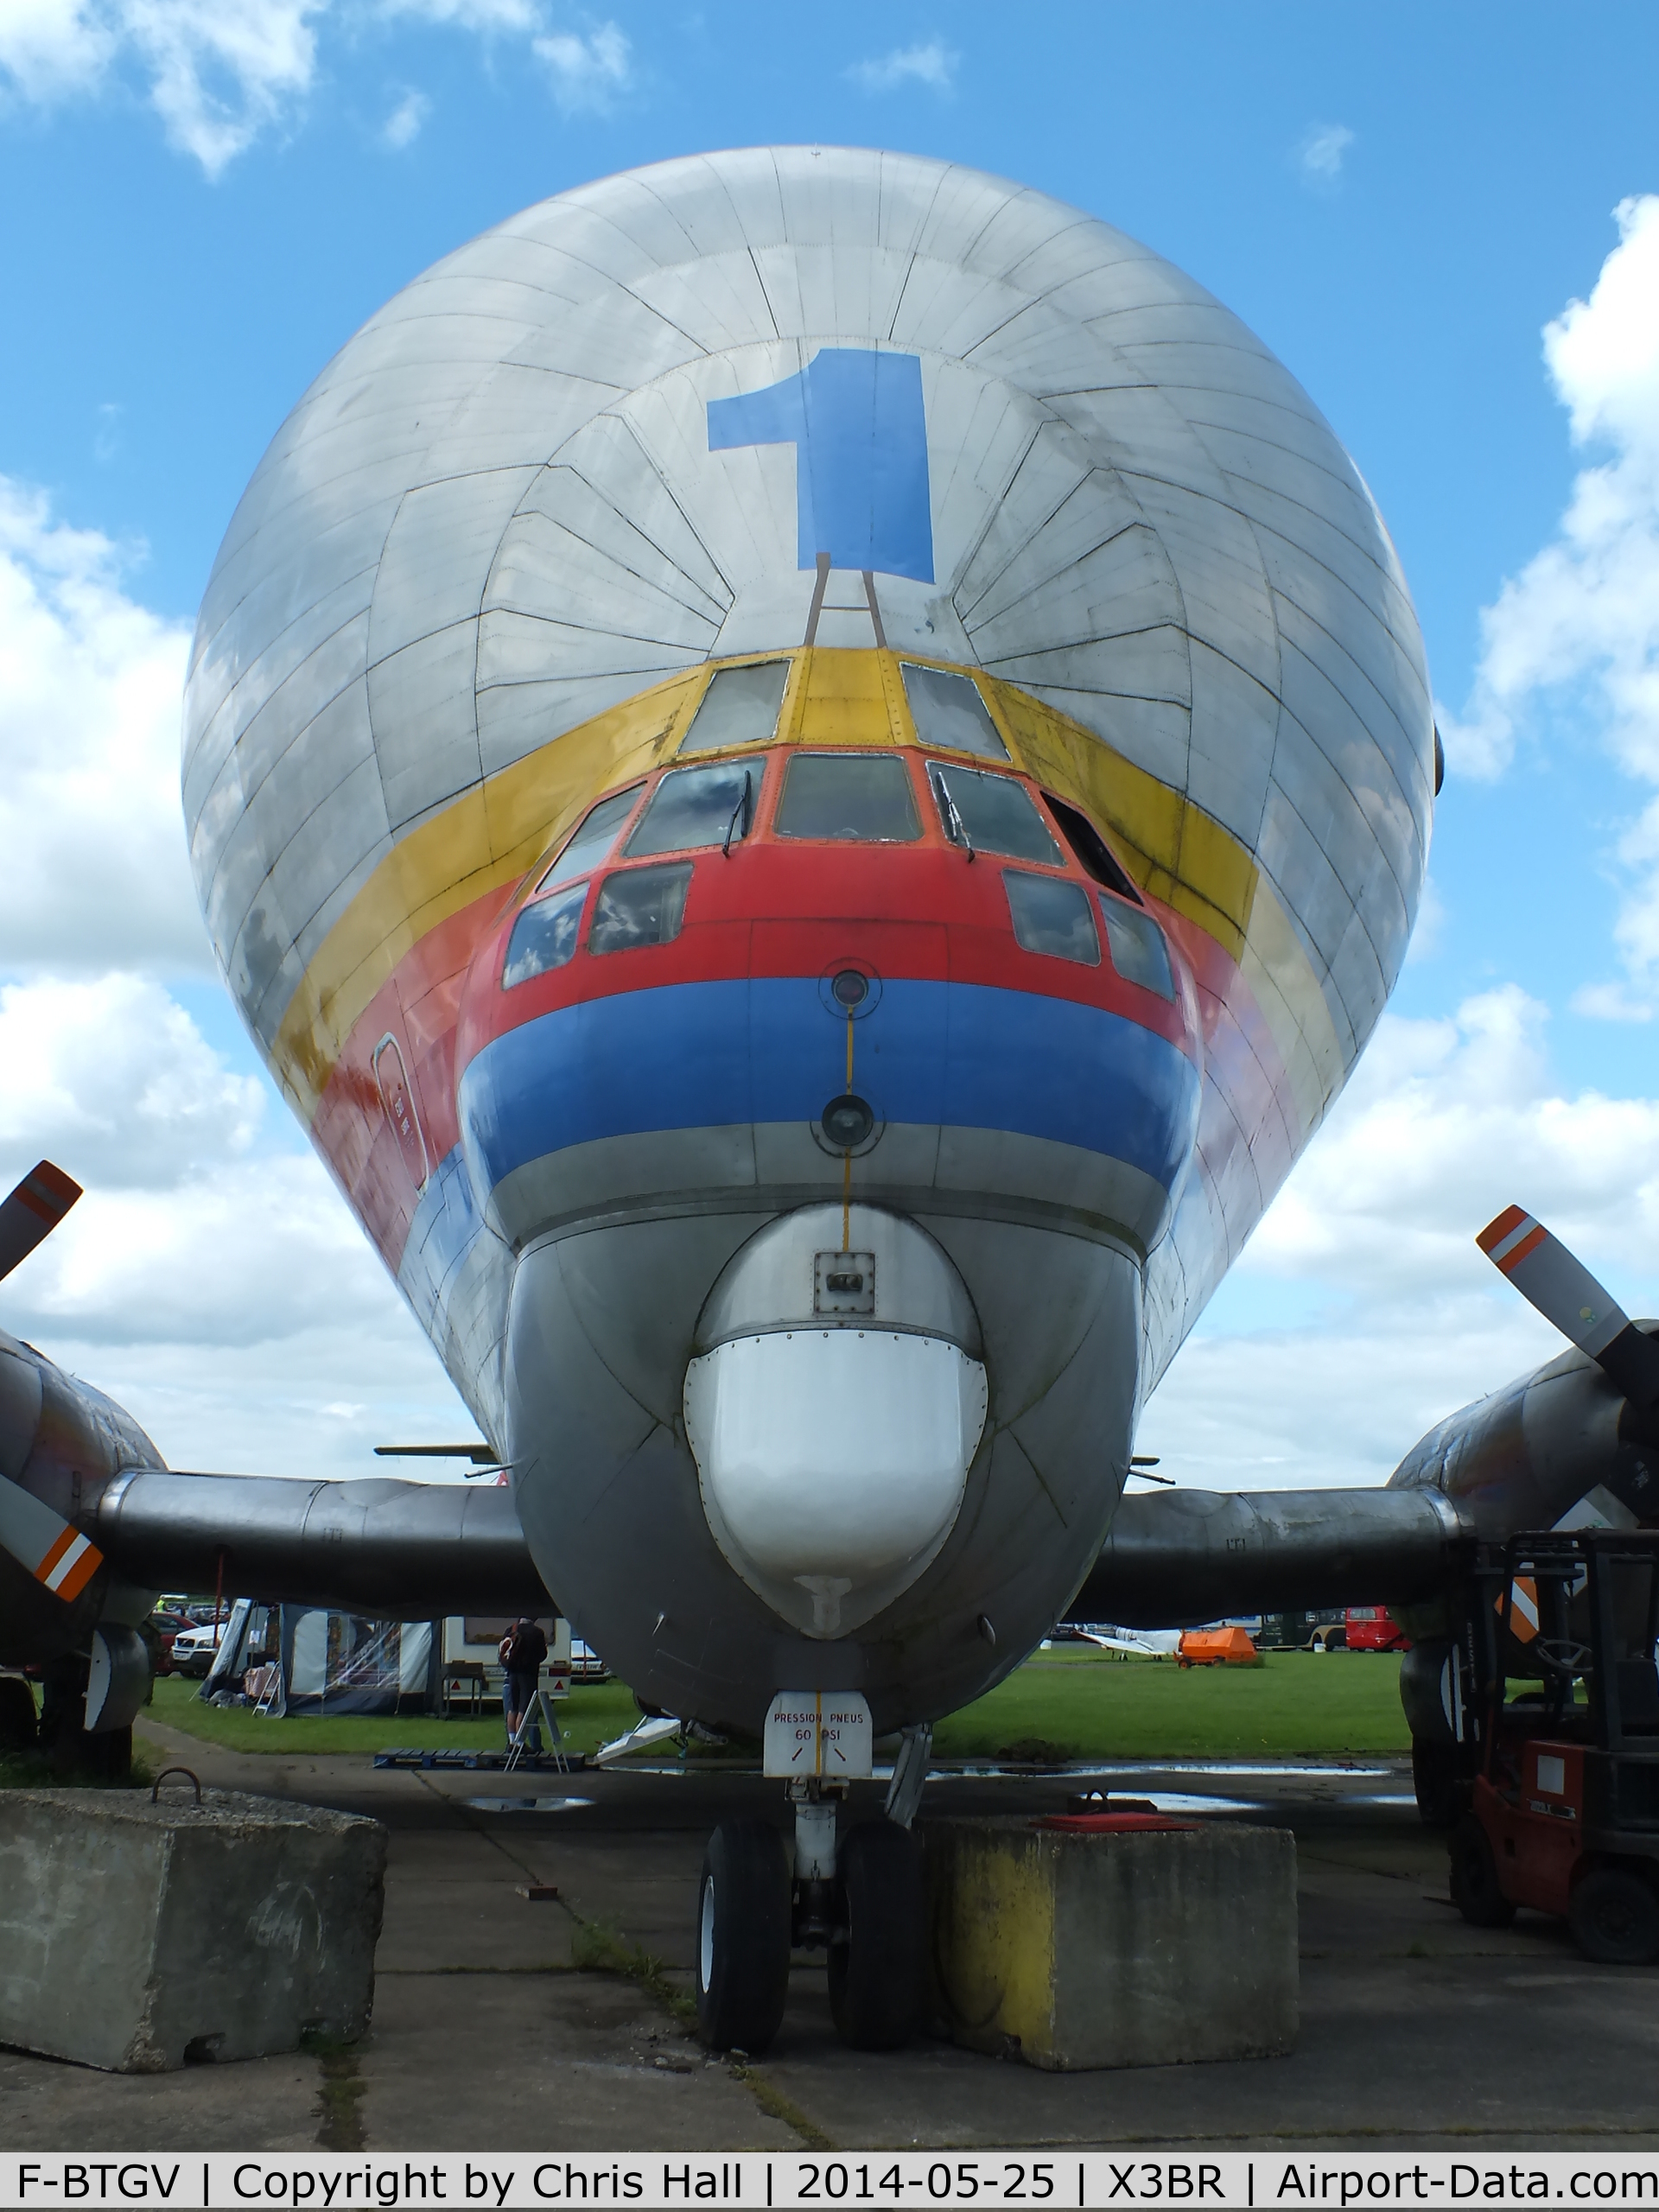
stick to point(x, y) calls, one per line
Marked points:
point(524, 1804)
point(1221, 1769)
point(1122, 1771)
point(1173, 1801)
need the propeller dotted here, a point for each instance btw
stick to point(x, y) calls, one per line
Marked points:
point(59, 1557)
point(1565, 1292)
point(33, 1211)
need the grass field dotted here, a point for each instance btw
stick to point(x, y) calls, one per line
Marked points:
point(1071, 1703)
point(1293, 1704)
point(590, 1716)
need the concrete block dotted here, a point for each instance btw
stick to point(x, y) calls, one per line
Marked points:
point(136, 1937)
point(1113, 1943)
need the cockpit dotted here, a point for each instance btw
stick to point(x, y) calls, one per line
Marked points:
point(861, 793)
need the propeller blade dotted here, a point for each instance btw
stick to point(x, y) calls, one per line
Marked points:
point(33, 1211)
point(481, 1455)
point(59, 1557)
point(1566, 1292)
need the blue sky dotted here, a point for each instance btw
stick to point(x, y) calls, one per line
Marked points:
point(204, 202)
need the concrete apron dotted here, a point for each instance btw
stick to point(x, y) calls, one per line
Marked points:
point(1107, 1944)
point(137, 1936)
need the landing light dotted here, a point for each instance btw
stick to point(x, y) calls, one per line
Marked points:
point(846, 1121)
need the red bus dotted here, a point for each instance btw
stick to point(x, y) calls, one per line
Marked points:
point(1373, 1628)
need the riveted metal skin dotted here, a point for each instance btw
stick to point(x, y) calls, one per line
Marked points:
point(488, 572)
point(60, 1441)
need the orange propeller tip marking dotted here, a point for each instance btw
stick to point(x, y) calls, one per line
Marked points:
point(1514, 1236)
point(32, 1211)
point(1510, 1261)
point(69, 1566)
point(1495, 1231)
point(48, 1192)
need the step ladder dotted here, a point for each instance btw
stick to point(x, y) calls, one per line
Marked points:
point(539, 1714)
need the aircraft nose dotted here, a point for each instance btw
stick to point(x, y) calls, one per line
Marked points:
point(835, 1411)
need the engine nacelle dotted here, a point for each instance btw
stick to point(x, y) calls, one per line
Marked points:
point(60, 1441)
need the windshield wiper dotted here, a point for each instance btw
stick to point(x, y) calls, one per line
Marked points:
point(742, 808)
point(955, 827)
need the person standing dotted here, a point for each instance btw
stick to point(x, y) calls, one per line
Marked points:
point(523, 1655)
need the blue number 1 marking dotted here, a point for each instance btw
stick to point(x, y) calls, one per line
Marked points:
point(856, 422)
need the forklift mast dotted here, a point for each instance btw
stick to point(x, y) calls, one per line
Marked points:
point(1577, 1611)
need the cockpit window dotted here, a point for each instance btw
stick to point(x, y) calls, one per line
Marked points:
point(741, 706)
point(947, 711)
point(698, 806)
point(864, 798)
point(1139, 951)
point(543, 936)
point(1051, 915)
point(639, 905)
point(1097, 856)
point(990, 814)
point(593, 839)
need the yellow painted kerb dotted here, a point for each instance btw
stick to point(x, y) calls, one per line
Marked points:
point(992, 1913)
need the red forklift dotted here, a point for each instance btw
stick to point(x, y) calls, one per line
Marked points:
point(1563, 1804)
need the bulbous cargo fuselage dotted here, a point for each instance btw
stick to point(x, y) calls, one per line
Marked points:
point(811, 770)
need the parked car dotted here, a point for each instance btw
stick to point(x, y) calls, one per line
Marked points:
point(162, 1630)
point(1373, 1628)
point(194, 1648)
point(586, 1665)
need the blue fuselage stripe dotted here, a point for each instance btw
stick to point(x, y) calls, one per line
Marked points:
point(712, 1054)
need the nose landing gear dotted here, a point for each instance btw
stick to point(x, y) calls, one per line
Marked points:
point(876, 1954)
point(743, 1934)
point(858, 1895)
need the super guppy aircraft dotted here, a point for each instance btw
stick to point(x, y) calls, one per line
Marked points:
point(809, 769)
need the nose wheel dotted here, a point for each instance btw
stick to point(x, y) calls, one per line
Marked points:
point(860, 1897)
point(876, 1954)
point(743, 1937)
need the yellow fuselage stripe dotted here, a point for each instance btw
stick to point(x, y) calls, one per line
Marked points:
point(493, 834)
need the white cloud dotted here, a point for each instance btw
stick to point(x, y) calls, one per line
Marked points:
point(112, 1070)
point(215, 1286)
point(933, 64)
point(1322, 152)
point(587, 72)
point(211, 1279)
point(1576, 634)
point(485, 16)
point(90, 823)
point(1430, 931)
point(279, 1407)
point(217, 71)
point(53, 47)
point(220, 72)
point(1444, 1124)
point(403, 126)
point(1609, 1003)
